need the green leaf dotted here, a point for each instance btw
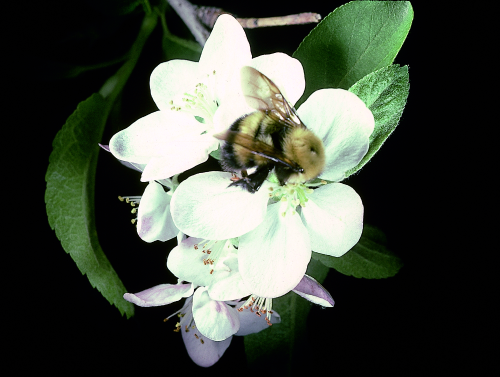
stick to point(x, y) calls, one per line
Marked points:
point(369, 258)
point(70, 197)
point(70, 178)
point(354, 40)
point(385, 93)
point(178, 48)
point(317, 270)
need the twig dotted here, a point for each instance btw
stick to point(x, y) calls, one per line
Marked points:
point(293, 19)
point(208, 16)
point(195, 17)
point(187, 12)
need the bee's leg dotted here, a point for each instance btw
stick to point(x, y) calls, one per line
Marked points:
point(235, 178)
point(253, 181)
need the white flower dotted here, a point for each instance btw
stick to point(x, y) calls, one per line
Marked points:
point(207, 325)
point(172, 140)
point(202, 350)
point(274, 250)
point(212, 264)
point(154, 221)
point(208, 319)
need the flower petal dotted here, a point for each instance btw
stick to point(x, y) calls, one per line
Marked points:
point(154, 221)
point(130, 165)
point(226, 51)
point(274, 256)
point(186, 262)
point(344, 123)
point(230, 109)
point(215, 319)
point(153, 136)
point(333, 217)
point(313, 291)
point(227, 282)
point(187, 152)
point(172, 79)
point(286, 72)
point(203, 206)
point(162, 294)
point(203, 351)
point(251, 323)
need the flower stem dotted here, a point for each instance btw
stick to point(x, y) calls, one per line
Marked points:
point(114, 85)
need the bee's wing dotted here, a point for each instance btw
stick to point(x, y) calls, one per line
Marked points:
point(257, 147)
point(261, 93)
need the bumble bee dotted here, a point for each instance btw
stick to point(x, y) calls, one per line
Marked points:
point(271, 138)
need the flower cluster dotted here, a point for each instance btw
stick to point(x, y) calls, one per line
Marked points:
point(244, 249)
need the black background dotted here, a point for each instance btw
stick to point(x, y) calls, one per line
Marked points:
point(60, 324)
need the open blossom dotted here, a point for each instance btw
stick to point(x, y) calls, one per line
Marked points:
point(274, 249)
point(202, 350)
point(215, 264)
point(200, 318)
point(154, 220)
point(207, 325)
point(195, 101)
point(208, 318)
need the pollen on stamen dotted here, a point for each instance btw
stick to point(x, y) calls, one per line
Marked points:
point(208, 261)
point(259, 306)
point(133, 201)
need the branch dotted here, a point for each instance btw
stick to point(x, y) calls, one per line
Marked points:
point(208, 16)
point(293, 19)
point(187, 12)
point(196, 17)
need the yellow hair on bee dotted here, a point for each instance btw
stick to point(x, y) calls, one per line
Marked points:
point(305, 148)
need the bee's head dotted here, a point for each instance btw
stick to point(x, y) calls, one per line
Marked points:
point(306, 149)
